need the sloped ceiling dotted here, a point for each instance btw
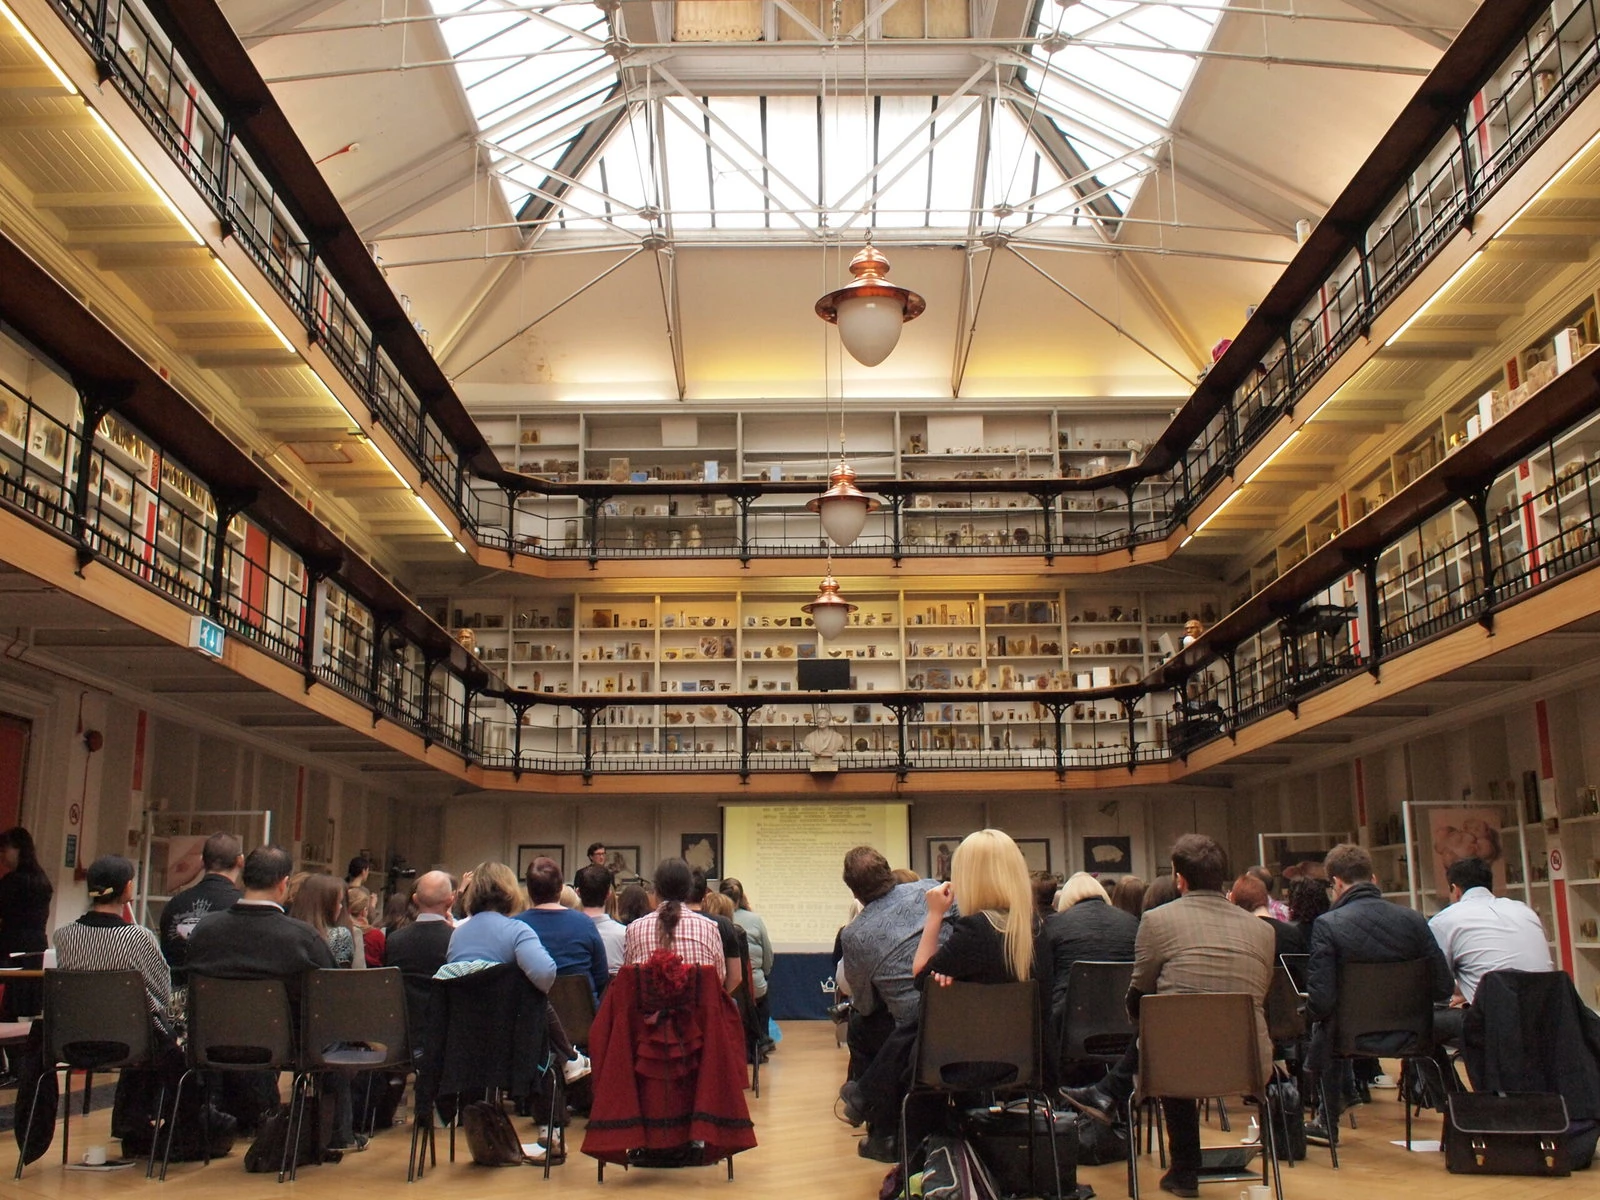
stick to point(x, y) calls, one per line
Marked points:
point(1260, 141)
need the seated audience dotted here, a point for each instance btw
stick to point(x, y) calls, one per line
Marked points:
point(594, 891)
point(319, 902)
point(1360, 927)
point(492, 936)
point(905, 875)
point(1481, 932)
point(733, 941)
point(675, 929)
point(876, 948)
point(359, 902)
point(421, 946)
point(1249, 894)
point(760, 941)
point(1163, 890)
point(1308, 900)
point(570, 937)
point(397, 912)
point(633, 902)
point(222, 858)
point(1128, 895)
point(1198, 943)
point(257, 939)
point(103, 940)
point(1045, 889)
point(356, 874)
point(1086, 928)
point(1277, 908)
point(993, 941)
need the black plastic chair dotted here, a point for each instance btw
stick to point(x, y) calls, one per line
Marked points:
point(1376, 999)
point(1094, 1019)
point(350, 1021)
point(981, 1037)
point(93, 1021)
point(1194, 1046)
point(488, 1039)
point(235, 1025)
point(745, 998)
point(1298, 966)
point(572, 1000)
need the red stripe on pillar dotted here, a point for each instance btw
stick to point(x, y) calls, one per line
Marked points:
point(1547, 766)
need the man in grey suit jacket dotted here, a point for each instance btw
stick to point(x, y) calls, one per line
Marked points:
point(1198, 943)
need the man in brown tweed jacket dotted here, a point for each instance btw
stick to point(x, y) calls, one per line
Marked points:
point(1198, 943)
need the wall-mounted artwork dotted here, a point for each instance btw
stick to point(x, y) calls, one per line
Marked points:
point(1036, 853)
point(623, 863)
point(940, 850)
point(526, 855)
point(703, 851)
point(1108, 855)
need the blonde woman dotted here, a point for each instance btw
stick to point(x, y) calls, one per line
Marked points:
point(1086, 927)
point(992, 941)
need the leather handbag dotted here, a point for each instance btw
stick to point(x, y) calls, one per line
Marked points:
point(1515, 1133)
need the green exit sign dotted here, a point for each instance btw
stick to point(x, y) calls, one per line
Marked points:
point(206, 636)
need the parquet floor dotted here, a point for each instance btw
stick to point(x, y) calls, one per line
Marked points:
point(804, 1153)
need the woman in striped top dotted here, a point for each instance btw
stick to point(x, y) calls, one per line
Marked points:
point(103, 940)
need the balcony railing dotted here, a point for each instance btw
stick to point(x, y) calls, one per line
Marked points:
point(1548, 61)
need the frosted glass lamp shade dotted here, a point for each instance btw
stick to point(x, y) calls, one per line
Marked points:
point(869, 310)
point(829, 612)
point(869, 327)
point(843, 507)
point(830, 620)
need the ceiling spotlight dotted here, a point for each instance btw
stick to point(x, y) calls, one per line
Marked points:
point(843, 507)
point(829, 612)
point(869, 310)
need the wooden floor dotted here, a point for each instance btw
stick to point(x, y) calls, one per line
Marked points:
point(804, 1152)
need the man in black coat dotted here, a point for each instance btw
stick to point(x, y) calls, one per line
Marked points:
point(1361, 927)
point(222, 858)
point(1087, 929)
point(257, 939)
point(420, 948)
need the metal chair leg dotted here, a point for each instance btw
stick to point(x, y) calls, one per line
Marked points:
point(1135, 1113)
point(172, 1125)
point(1329, 1127)
point(27, 1135)
point(161, 1105)
point(66, 1112)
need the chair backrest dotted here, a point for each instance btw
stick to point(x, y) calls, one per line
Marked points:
point(981, 1036)
point(97, 1020)
point(1094, 1022)
point(572, 998)
point(489, 1032)
point(1286, 1014)
point(341, 1009)
point(1383, 998)
point(1199, 1044)
point(1299, 967)
point(240, 1024)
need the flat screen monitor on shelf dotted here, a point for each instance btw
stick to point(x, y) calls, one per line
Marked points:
point(823, 675)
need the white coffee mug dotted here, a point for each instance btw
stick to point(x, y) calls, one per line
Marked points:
point(1256, 1191)
point(95, 1156)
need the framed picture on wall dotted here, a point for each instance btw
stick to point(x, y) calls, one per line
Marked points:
point(1108, 855)
point(704, 851)
point(1036, 853)
point(940, 851)
point(526, 854)
point(623, 863)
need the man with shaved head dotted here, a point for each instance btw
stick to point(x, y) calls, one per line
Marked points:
point(420, 948)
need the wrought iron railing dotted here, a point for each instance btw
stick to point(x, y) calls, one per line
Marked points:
point(1538, 80)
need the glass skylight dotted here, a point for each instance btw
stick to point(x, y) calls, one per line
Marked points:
point(583, 146)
